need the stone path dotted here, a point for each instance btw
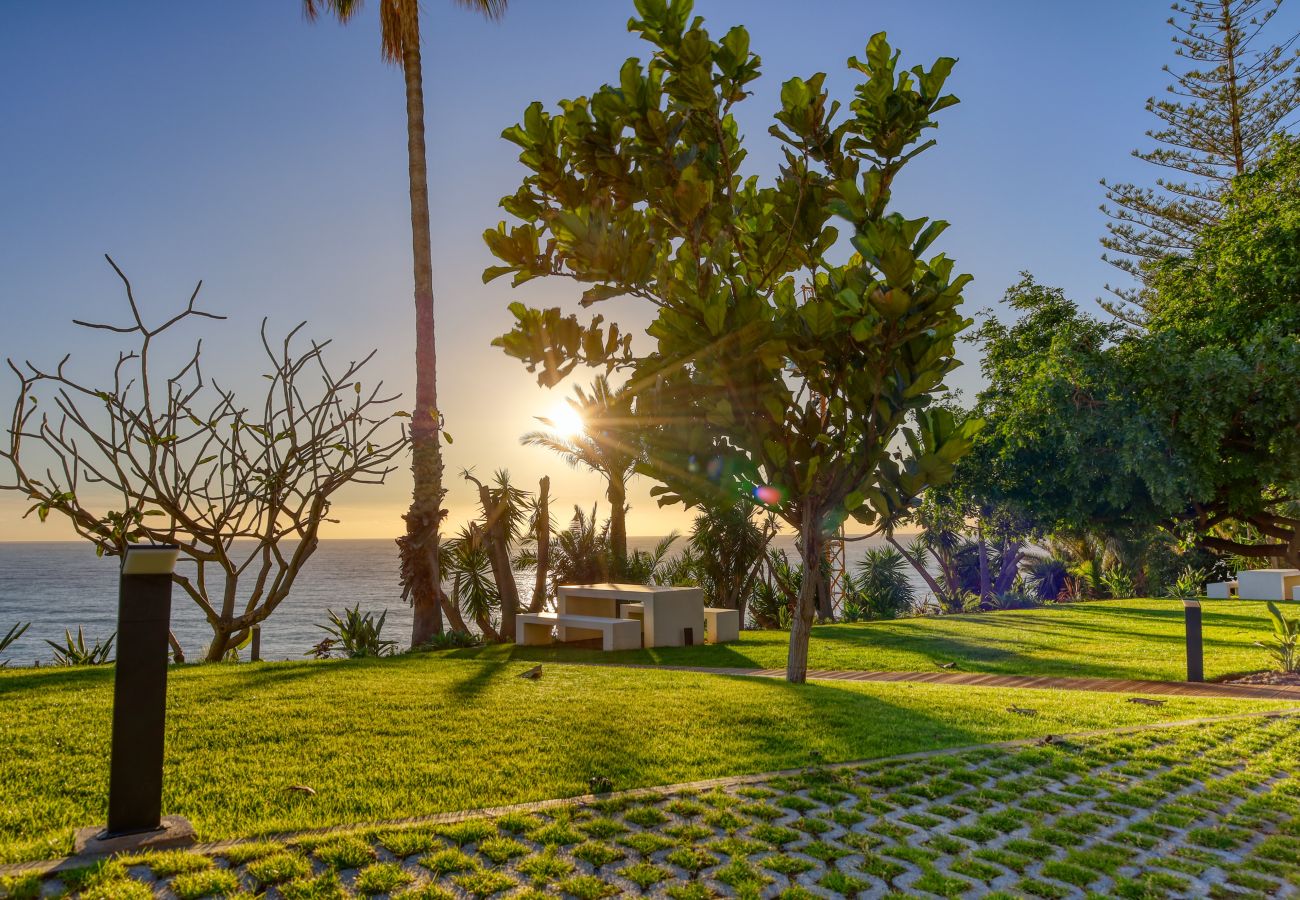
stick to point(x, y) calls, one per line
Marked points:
point(1207, 809)
point(977, 679)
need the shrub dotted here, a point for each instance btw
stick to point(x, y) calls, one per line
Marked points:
point(452, 640)
point(75, 652)
point(1118, 583)
point(356, 635)
point(13, 635)
point(1046, 576)
point(1188, 585)
point(1284, 645)
point(884, 587)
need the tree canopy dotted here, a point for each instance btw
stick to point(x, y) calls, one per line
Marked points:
point(1192, 424)
point(776, 372)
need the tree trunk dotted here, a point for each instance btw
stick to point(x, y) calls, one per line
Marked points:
point(542, 529)
point(420, 573)
point(617, 495)
point(918, 565)
point(986, 586)
point(178, 653)
point(452, 612)
point(811, 547)
point(1010, 565)
point(503, 573)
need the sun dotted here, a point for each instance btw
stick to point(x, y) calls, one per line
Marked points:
point(564, 421)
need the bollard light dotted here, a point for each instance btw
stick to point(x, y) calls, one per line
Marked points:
point(1195, 645)
point(144, 603)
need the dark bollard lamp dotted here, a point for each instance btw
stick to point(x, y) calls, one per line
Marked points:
point(135, 817)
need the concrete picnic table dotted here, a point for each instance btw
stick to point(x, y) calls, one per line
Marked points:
point(666, 612)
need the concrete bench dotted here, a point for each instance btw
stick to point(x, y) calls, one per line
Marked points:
point(1221, 590)
point(721, 625)
point(615, 634)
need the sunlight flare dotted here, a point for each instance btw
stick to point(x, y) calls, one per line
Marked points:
point(564, 421)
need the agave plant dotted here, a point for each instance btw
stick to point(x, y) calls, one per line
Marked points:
point(76, 652)
point(355, 633)
point(1284, 645)
point(8, 640)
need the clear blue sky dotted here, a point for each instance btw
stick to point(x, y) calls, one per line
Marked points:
point(237, 143)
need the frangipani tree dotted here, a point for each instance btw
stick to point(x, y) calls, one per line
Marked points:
point(775, 373)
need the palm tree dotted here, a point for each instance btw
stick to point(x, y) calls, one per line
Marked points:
point(421, 576)
point(604, 446)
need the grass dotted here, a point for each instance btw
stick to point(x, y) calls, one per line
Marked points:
point(386, 739)
point(1140, 639)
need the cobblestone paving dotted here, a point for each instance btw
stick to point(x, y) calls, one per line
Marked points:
point(1197, 811)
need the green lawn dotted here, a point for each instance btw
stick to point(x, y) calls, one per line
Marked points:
point(385, 739)
point(1103, 639)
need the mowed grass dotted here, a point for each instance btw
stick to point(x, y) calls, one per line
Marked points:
point(414, 735)
point(1100, 639)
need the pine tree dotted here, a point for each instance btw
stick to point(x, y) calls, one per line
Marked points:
point(1216, 123)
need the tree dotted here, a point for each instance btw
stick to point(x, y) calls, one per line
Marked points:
point(607, 445)
point(421, 577)
point(1191, 425)
point(638, 191)
point(1218, 122)
point(1225, 329)
point(729, 549)
point(243, 490)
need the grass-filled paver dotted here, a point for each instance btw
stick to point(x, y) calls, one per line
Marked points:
point(657, 843)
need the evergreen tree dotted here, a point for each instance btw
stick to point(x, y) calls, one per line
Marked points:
point(1222, 112)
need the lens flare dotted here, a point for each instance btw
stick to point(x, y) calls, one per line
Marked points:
point(767, 494)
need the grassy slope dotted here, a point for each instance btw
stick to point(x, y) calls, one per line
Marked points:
point(383, 739)
point(1106, 639)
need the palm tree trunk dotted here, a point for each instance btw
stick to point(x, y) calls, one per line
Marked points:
point(918, 565)
point(617, 495)
point(542, 529)
point(420, 574)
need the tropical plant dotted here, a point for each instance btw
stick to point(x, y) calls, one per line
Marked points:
point(776, 373)
point(11, 637)
point(1189, 585)
point(467, 566)
point(1016, 598)
point(506, 520)
point(76, 652)
point(883, 588)
point(772, 603)
point(400, 44)
point(452, 639)
point(1284, 645)
point(1046, 576)
point(243, 488)
point(356, 634)
point(729, 544)
point(1215, 124)
point(649, 566)
point(1118, 583)
point(607, 445)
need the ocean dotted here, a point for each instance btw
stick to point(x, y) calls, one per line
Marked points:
point(58, 586)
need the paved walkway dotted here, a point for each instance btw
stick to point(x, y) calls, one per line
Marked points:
point(976, 679)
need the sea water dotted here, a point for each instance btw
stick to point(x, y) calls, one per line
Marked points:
point(58, 586)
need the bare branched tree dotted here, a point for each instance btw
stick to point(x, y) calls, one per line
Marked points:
point(177, 459)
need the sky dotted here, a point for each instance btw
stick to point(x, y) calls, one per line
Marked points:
point(239, 144)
